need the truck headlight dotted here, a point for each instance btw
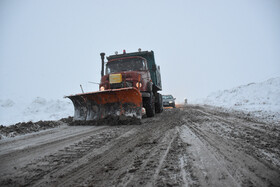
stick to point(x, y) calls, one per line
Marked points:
point(102, 88)
point(171, 101)
point(138, 84)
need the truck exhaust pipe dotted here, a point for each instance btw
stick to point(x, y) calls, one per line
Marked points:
point(102, 62)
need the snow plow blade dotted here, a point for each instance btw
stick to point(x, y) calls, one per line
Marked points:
point(98, 105)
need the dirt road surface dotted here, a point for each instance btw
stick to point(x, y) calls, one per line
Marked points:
point(189, 146)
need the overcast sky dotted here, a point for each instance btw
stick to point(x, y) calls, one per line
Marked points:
point(49, 47)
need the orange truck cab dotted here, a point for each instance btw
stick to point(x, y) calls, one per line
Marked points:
point(138, 70)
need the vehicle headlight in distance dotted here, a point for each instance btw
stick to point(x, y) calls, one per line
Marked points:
point(102, 88)
point(171, 101)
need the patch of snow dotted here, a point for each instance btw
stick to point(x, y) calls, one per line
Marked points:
point(6, 103)
point(260, 99)
point(14, 111)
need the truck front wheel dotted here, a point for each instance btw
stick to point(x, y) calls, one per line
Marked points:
point(149, 104)
point(158, 104)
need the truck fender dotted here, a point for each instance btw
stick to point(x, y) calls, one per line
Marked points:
point(150, 86)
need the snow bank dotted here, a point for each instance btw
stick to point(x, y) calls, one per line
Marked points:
point(256, 98)
point(14, 111)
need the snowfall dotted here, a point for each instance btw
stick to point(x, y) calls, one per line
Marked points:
point(258, 99)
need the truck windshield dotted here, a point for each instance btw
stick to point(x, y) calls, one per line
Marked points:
point(129, 64)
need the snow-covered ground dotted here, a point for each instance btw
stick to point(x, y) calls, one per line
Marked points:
point(259, 99)
point(16, 110)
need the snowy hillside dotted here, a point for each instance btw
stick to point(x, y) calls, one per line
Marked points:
point(257, 98)
point(13, 111)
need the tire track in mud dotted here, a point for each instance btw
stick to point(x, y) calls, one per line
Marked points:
point(126, 158)
point(209, 170)
point(146, 168)
point(124, 165)
point(18, 153)
point(25, 146)
point(165, 163)
point(176, 169)
point(192, 146)
point(260, 140)
point(161, 160)
point(227, 146)
point(44, 167)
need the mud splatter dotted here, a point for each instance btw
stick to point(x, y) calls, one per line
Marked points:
point(27, 127)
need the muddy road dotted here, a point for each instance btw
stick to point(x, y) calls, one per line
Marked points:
point(190, 146)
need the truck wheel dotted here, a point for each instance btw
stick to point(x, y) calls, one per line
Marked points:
point(150, 105)
point(159, 105)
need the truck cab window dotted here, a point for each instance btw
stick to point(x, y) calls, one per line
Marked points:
point(130, 64)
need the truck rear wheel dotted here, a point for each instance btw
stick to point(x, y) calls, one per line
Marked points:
point(149, 104)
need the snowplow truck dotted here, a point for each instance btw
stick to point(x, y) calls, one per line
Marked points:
point(129, 85)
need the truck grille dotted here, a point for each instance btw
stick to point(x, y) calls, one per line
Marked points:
point(116, 85)
point(120, 85)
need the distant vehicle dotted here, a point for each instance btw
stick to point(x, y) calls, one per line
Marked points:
point(186, 101)
point(168, 101)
